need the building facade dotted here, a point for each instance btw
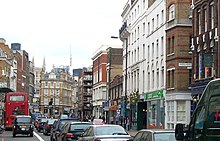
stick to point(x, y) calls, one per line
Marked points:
point(85, 93)
point(6, 58)
point(205, 45)
point(144, 37)
point(56, 86)
point(114, 68)
point(178, 62)
point(99, 94)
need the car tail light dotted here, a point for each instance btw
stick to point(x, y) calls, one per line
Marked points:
point(69, 135)
point(48, 126)
point(31, 127)
point(6, 121)
point(14, 127)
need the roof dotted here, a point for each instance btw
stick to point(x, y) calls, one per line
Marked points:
point(23, 116)
point(106, 125)
point(158, 130)
point(73, 122)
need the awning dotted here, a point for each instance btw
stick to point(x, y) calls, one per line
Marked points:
point(5, 90)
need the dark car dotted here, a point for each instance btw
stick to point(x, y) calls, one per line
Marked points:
point(37, 119)
point(35, 115)
point(72, 130)
point(40, 125)
point(56, 130)
point(48, 125)
point(22, 125)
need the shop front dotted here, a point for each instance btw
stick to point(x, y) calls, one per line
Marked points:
point(155, 111)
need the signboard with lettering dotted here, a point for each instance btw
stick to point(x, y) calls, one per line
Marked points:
point(153, 95)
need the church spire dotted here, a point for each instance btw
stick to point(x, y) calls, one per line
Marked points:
point(44, 65)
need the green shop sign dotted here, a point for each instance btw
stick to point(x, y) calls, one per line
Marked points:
point(153, 95)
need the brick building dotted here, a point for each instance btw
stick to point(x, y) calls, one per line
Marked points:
point(205, 45)
point(178, 62)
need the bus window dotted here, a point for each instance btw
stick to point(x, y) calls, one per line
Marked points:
point(16, 98)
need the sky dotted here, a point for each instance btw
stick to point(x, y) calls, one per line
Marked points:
point(58, 29)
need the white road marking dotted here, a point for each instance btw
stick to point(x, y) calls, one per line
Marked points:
point(39, 137)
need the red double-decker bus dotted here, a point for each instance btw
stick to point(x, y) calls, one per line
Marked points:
point(16, 103)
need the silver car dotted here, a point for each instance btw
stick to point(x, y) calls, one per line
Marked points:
point(107, 132)
point(155, 135)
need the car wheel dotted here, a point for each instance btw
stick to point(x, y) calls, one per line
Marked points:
point(31, 134)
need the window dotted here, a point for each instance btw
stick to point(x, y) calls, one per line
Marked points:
point(144, 4)
point(138, 54)
point(152, 51)
point(46, 84)
point(157, 21)
point(199, 22)
point(157, 81)
point(16, 98)
point(51, 91)
point(148, 28)
point(143, 28)
point(173, 44)
point(148, 53)
point(143, 51)
point(172, 81)
point(57, 92)
point(138, 32)
point(148, 83)
point(58, 85)
point(162, 76)
point(212, 15)
point(152, 80)
point(152, 25)
point(169, 45)
point(162, 17)
point(205, 17)
point(171, 12)
point(157, 48)
point(196, 126)
point(162, 46)
point(143, 80)
point(45, 91)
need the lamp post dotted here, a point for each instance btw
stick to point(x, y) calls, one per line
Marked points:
point(125, 114)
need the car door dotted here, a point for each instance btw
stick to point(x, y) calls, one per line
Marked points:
point(62, 133)
point(196, 131)
point(89, 136)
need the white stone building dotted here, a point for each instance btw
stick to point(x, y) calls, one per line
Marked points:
point(143, 34)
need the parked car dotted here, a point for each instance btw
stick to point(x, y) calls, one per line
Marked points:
point(106, 132)
point(98, 121)
point(72, 130)
point(57, 126)
point(40, 125)
point(155, 135)
point(22, 125)
point(48, 125)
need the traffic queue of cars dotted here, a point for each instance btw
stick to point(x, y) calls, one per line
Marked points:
point(72, 129)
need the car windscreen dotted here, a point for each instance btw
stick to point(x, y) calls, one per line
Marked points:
point(165, 136)
point(62, 122)
point(23, 119)
point(79, 126)
point(110, 130)
point(51, 121)
point(43, 120)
